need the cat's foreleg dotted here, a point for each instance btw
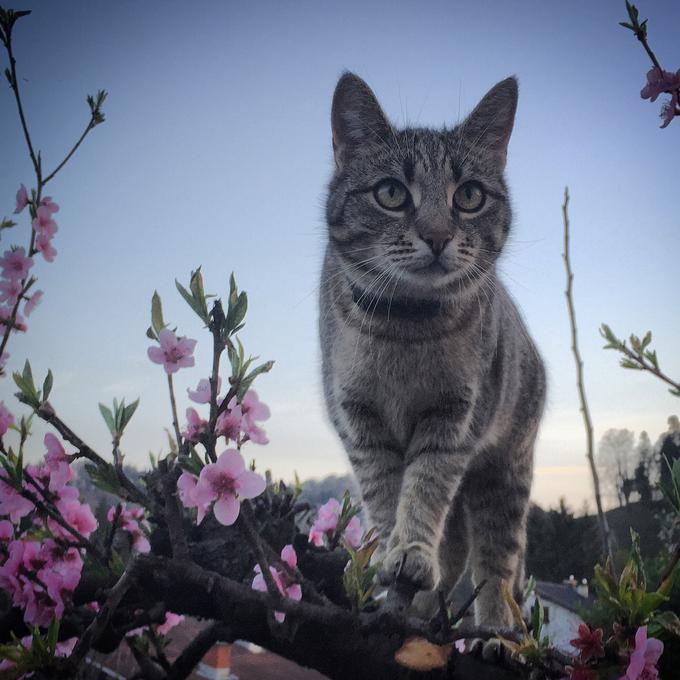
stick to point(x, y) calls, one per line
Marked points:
point(376, 461)
point(498, 504)
point(435, 463)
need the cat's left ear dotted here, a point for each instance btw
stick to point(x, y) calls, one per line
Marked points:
point(356, 118)
point(490, 124)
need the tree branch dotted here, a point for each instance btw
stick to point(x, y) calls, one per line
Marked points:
point(604, 527)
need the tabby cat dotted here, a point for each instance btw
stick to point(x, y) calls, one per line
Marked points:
point(430, 377)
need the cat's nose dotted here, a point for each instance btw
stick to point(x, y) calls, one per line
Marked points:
point(437, 241)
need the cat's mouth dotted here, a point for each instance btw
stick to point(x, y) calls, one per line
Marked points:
point(434, 268)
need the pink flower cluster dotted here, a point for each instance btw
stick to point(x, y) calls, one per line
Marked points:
point(41, 575)
point(238, 423)
point(45, 228)
point(658, 82)
point(62, 649)
point(220, 486)
point(15, 263)
point(132, 521)
point(14, 268)
point(327, 521)
point(287, 587)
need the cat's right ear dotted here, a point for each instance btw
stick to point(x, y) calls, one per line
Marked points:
point(356, 118)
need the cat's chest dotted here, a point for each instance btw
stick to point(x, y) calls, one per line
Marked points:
point(400, 379)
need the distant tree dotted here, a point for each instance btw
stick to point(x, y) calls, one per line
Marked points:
point(616, 458)
point(560, 544)
point(669, 449)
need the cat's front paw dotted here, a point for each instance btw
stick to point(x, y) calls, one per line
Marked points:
point(411, 562)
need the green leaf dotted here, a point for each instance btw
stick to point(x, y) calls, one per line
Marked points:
point(47, 385)
point(127, 413)
point(157, 322)
point(538, 616)
point(628, 363)
point(108, 418)
point(669, 621)
point(248, 380)
point(104, 477)
point(189, 299)
point(24, 382)
point(626, 25)
point(7, 224)
point(53, 635)
point(150, 334)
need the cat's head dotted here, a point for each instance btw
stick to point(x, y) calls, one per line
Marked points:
point(425, 209)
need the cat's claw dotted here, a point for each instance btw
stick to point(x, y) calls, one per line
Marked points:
point(409, 563)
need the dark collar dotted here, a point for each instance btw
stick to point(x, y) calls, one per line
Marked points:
point(397, 308)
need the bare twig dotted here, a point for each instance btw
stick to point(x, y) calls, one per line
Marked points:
point(129, 490)
point(173, 405)
point(468, 603)
point(101, 620)
point(197, 648)
point(604, 527)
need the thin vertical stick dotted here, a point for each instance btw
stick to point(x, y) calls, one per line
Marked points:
point(604, 527)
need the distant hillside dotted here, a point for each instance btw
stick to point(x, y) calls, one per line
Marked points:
point(560, 545)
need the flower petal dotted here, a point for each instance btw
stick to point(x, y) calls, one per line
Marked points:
point(249, 484)
point(231, 463)
point(226, 510)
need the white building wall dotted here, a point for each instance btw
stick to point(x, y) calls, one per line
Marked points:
point(563, 624)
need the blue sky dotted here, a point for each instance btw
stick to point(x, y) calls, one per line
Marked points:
point(216, 151)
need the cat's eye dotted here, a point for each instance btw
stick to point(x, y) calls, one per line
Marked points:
point(469, 197)
point(391, 194)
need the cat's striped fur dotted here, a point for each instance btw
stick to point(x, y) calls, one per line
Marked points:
point(430, 378)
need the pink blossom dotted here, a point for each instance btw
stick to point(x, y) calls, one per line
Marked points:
point(22, 199)
point(33, 302)
point(6, 318)
point(49, 204)
point(286, 586)
point(6, 530)
point(659, 81)
point(6, 418)
point(643, 659)
point(43, 224)
point(131, 520)
point(326, 523)
point(10, 289)
point(225, 483)
point(77, 515)
point(15, 264)
point(241, 418)
point(201, 395)
point(171, 620)
point(328, 516)
point(67, 562)
point(12, 503)
point(174, 353)
point(57, 464)
point(196, 426)
point(668, 110)
point(253, 410)
point(229, 422)
point(353, 533)
point(43, 243)
point(186, 487)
